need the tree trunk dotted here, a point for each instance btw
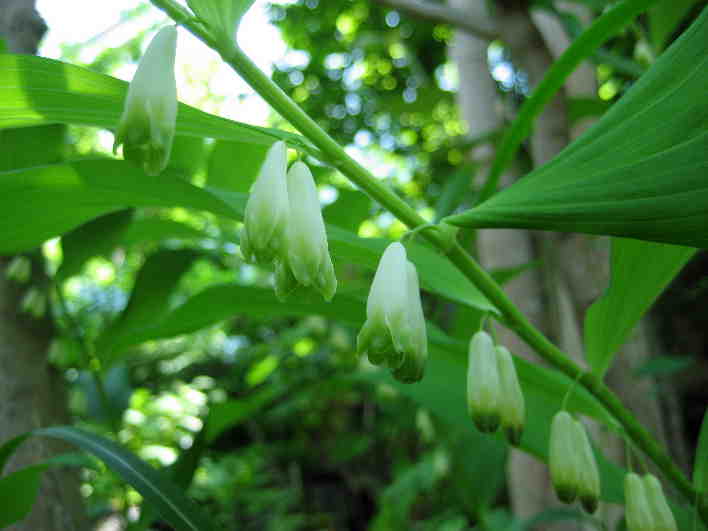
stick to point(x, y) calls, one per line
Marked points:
point(31, 392)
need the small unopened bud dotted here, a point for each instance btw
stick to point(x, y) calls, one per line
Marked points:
point(147, 125)
point(660, 510)
point(562, 457)
point(19, 269)
point(483, 390)
point(512, 406)
point(637, 512)
point(394, 332)
point(34, 303)
point(267, 209)
point(589, 477)
point(306, 250)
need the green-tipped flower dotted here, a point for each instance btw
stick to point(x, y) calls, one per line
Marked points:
point(638, 513)
point(483, 389)
point(660, 511)
point(19, 269)
point(394, 332)
point(511, 406)
point(34, 303)
point(306, 252)
point(147, 126)
point(563, 457)
point(588, 475)
point(267, 209)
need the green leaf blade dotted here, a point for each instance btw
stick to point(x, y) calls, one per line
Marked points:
point(180, 511)
point(639, 273)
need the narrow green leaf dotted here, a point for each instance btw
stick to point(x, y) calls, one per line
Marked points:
point(169, 500)
point(638, 173)
point(43, 202)
point(149, 300)
point(604, 27)
point(639, 273)
point(349, 210)
point(35, 90)
point(700, 467)
point(18, 492)
point(94, 238)
point(663, 366)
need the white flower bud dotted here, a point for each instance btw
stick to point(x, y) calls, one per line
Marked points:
point(661, 513)
point(562, 457)
point(512, 406)
point(147, 125)
point(483, 389)
point(267, 209)
point(637, 512)
point(394, 332)
point(306, 250)
point(588, 475)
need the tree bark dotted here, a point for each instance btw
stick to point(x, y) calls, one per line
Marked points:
point(31, 391)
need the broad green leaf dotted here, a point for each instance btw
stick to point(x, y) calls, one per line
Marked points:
point(604, 27)
point(18, 492)
point(436, 273)
point(169, 500)
point(235, 165)
point(43, 202)
point(149, 300)
point(154, 229)
point(664, 19)
point(36, 90)
point(40, 203)
point(640, 172)
point(94, 238)
point(188, 154)
point(32, 146)
point(349, 210)
point(222, 16)
point(639, 273)
point(8, 448)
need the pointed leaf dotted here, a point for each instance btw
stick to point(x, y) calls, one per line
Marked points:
point(639, 273)
point(639, 172)
point(169, 500)
point(36, 90)
point(18, 492)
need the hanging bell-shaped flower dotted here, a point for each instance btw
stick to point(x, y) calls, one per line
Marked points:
point(147, 125)
point(306, 252)
point(588, 475)
point(562, 457)
point(637, 512)
point(394, 332)
point(661, 512)
point(511, 406)
point(267, 209)
point(483, 388)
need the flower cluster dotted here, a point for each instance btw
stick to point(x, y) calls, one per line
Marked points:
point(572, 462)
point(494, 395)
point(646, 507)
point(283, 224)
point(394, 332)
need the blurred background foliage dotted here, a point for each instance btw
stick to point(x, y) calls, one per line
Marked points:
point(271, 422)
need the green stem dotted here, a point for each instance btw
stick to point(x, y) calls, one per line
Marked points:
point(356, 173)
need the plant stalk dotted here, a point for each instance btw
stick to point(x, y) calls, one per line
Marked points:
point(360, 176)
